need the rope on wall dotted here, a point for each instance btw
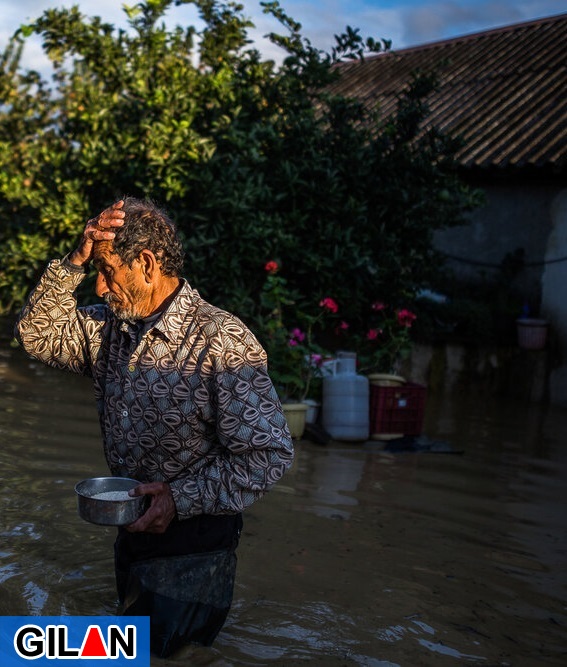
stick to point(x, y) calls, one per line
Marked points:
point(518, 260)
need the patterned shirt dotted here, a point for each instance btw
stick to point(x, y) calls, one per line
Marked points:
point(188, 401)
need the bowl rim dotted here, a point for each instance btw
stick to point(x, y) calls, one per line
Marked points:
point(82, 494)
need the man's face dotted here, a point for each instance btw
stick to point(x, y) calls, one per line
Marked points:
point(123, 288)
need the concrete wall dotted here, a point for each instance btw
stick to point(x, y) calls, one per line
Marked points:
point(499, 371)
point(554, 296)
point(532, 217)
point(514, 217)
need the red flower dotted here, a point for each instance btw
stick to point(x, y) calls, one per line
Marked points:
point(373, 334)
point(378, 305)
point(329, 304)
point(405, 317)
point(342, 327)
point(271, 267)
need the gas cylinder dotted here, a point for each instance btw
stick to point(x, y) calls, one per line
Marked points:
point(346, 402)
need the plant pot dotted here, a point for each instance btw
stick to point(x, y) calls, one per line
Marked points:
point(386, 379)
point(532, 333)
point(312, 410)
point(295, 414)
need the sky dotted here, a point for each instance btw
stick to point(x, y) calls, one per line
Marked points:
point(404, 22)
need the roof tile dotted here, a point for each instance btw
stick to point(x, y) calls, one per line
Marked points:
point(503, 90)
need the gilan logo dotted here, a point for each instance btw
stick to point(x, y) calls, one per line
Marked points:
point(33, 642)
point(26, 640)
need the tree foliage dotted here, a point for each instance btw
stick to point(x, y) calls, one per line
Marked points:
point(254, 160)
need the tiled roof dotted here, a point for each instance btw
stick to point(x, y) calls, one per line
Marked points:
point(503, 91)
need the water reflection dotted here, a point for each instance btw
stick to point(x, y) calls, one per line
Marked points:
point(335, 475)
point(359, 557)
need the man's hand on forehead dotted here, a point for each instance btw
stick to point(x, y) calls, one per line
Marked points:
point(96, 230)
point(101, 228)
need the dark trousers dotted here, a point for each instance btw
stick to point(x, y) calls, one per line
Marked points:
point(182, 579)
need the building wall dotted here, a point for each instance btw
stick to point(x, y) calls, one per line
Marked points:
point(554, 296)
point(514, 218)
point(533, 218)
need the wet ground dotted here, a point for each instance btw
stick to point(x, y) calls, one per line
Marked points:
point(360, 556)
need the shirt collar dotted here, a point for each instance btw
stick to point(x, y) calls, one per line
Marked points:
point(172, 320)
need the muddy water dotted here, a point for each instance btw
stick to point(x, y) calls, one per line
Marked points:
point(359, 557)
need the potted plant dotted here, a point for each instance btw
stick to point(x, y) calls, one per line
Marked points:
point(385, 344)
point(287, 334)
point(396, 407)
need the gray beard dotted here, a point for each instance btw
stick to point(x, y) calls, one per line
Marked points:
point(121, 313)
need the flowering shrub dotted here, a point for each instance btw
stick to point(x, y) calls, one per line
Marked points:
point(386, 342)
point(329, 304)
point(294, 358)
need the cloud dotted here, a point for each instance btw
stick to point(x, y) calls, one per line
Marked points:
point(440, 20)
point(405, 22)
point(323, 19)
point(413, 22)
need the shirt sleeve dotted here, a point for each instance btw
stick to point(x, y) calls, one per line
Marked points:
point(51, 328)
point(255, 445)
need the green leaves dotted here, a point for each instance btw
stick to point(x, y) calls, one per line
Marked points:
point(27, 30)
point(253, 160)
point(350, 45)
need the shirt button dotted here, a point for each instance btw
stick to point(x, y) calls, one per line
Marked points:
point(124, 413)
point(121, 461)
point(131, 368)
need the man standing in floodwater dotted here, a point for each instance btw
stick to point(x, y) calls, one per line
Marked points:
point(186, 407)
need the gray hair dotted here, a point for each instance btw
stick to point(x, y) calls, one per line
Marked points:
point(147, 227)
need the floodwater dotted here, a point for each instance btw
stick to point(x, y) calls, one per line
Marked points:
point(360, 556)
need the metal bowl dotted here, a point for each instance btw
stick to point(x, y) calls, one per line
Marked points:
point(109, 511)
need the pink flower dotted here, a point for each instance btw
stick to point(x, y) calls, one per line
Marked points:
point(271, 267)
point(373, 334)
point(329, 304)
point(316, 359)
point(405, 317)
point(297, 335)
point(378, 305)
point(292, 342)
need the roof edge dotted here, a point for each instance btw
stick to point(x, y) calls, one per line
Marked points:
point(467, 36)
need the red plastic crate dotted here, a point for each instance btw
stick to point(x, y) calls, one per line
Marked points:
point(397, 409)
